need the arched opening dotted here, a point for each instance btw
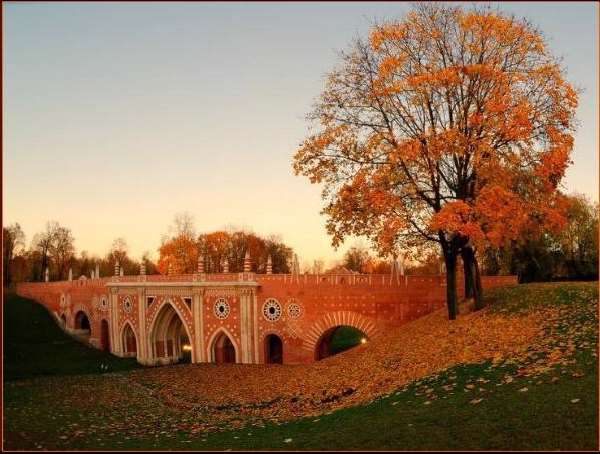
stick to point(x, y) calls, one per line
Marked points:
point(339, 339)
point(104, 336)
point(129, 341)
point(273, 349)
point(223, 349)
point(169, 338)
point(82, 322)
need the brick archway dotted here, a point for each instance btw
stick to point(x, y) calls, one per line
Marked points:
point(214, 338)
point(168, 325)
point(129, 339)
point(82, 321)
point(340, 318)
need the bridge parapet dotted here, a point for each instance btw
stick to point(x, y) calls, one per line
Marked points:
point(249, 309)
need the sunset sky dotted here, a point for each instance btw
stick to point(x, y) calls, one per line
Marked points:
point(117, 116)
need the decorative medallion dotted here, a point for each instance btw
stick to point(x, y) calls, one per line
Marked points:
point(103, 303)
point(222, 308)
point(294, 310)
point(127, 305)
point(272, 310)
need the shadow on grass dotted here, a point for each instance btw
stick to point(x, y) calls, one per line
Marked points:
point(34, 345)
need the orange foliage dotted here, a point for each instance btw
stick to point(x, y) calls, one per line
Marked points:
point(452, 126)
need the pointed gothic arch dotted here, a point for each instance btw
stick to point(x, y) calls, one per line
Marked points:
point(222, 347)
point(129, 340)
point(170, 337)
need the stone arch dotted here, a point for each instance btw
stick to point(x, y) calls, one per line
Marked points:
point(129, 340)
point(183, 311)
point(340, 318)
point(273, 348)
point(82, 322)
point(167, 329)
point(218, 336)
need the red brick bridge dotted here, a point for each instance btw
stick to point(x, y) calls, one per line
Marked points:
point(236, 317)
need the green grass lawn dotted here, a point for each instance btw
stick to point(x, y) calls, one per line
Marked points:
point(472, 406)
point(34, 345)
point(345, 338)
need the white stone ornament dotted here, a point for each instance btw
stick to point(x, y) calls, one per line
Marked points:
point(127, 305)
point(272, 310)
point(294, 310)
point(222, 308)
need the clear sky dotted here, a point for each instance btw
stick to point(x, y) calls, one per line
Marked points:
point(117, 116)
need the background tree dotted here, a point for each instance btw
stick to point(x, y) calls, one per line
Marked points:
point(62, 249)
point(13, 241)
point(450, 126)
point(570, 254)
point(41, 246)
point(579, 240)
point(318, 267)
point(429, 265)
point(356, 259)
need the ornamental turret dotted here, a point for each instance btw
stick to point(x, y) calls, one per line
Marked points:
point(247, 263)
point(269, 265)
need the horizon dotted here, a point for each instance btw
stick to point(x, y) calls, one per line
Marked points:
point(91, 122)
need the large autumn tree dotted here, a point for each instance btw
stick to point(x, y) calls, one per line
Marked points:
point(451, 126)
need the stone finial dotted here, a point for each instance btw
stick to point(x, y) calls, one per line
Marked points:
point(117, 268)
point(200, 263)
point(121, 272)
point(143, 268)
point(70, 274)
point(97, 273)
point(226, 266)
point(295, 267)
point(269, 265)
point(170, 268)
point(247, 263)
point(47, 275)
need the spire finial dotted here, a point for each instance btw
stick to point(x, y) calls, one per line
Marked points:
point(200, 263)
point(269, 265)
point(247, 263)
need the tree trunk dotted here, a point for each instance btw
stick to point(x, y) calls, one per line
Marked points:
point(468, 275)
point(472, 276)
point(477, 284)
point(450, 259)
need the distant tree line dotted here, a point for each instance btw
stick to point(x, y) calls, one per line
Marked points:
point(569, 255)
point(221, 250)
point(54, 249)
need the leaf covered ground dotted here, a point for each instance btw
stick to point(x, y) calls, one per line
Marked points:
point(530, 358)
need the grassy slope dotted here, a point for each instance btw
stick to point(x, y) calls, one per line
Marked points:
point(545, 416)
point(34, 345)
point(345, 338)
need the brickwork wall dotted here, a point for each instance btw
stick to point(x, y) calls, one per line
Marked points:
point(303, 307)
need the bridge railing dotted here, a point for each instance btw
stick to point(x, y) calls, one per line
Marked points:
point(298, 279)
